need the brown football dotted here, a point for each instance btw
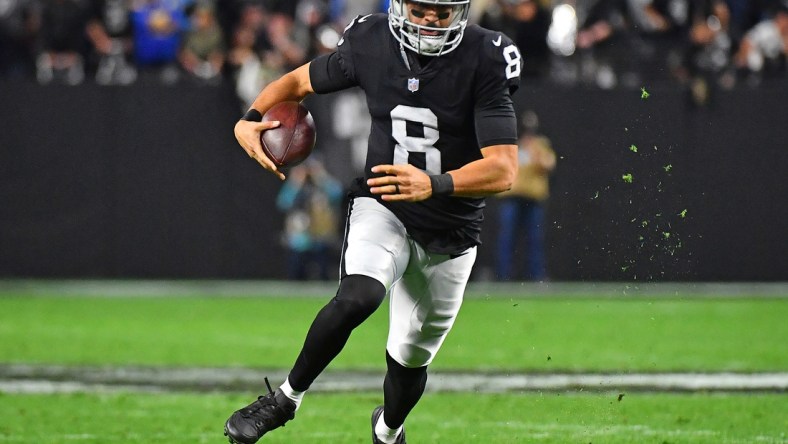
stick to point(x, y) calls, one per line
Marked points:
point(292, 141)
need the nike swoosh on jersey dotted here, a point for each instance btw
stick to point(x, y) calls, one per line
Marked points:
point(455, 256)
point(497, 42)
point(364, 19)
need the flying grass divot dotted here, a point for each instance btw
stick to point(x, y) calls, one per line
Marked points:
point(657, 229)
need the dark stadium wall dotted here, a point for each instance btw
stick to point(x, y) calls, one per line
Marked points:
point(148, 182)
point(725, 164)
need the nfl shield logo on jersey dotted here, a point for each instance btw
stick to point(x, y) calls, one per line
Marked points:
point(413, 85)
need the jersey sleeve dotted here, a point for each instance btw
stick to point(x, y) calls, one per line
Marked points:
point(326, 74)
point(498, 78)
point(496, 124)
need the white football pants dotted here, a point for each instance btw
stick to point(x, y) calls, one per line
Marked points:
point(425, 289)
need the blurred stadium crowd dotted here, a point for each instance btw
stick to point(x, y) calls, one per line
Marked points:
point(603, 43)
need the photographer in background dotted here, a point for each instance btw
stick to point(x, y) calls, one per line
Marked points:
point(310, 197)
point(521, 212)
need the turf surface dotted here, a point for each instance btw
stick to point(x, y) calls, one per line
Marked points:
point(497, 334)
point(439, 418)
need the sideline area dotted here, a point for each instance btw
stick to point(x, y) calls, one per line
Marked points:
point(262, 288)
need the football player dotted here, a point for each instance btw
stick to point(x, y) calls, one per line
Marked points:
point(443, 137)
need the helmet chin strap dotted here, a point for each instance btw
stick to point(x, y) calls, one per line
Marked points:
point(404, 56)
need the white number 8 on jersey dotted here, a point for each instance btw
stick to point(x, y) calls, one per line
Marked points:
point(512, 56)
point(406, 144)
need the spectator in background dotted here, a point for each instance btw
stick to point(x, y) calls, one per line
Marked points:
point(602, 41)
point(311, 24)
point(158, 27)
point(708, 57)
point(19, 23)
point(283, 7)
point(744, 14)
point(629, 41)
point(310, 197)
point(702, 43)
point(253, 60)
point(665, 26)
point(764, 48)
point(273, 25)
point(292, 46)
point(255, 18)
point(202, 56)
point(246, 66)
point(521, 210)
point(343, 11)
point(109, 32)
point(527, 23)
point(63, 42)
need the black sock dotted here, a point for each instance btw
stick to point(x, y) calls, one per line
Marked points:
point(402, 389)
point(357, 298)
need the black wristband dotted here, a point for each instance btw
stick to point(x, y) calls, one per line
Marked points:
point(253, 115)
point(442, 184)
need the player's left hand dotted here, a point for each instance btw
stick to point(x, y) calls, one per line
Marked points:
point(400, 183)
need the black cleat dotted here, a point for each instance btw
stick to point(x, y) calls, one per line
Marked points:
point(375, 415)
point(269, 412)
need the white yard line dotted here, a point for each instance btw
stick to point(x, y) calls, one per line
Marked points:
point(56, 379)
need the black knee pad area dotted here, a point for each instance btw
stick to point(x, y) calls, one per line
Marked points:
point(358, 296)
point(408, 375)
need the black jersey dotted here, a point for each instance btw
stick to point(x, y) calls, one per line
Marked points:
point(435, 117)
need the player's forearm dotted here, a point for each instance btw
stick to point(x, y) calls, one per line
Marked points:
point(293, 86)
point(490, 175)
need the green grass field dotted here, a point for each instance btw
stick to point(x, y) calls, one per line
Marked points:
point(496, 333)
point(439, 418)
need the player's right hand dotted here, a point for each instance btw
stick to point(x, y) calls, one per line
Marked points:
point(248, 135)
